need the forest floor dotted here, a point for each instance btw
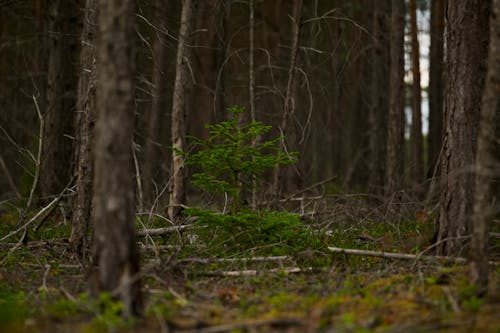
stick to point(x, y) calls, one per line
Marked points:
point(192, 285)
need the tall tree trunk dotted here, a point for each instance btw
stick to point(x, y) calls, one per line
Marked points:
point(486, 160)
point(219, 61)
point(436, 85)
point(289, 102)
point(251, 89)
point(55, 169)
point(178, 129)
point(378, 116)
point(115, 253)
point(466, 52)
point(396, 140)
point(416, 138)
point(152, 154)
point(85, 107)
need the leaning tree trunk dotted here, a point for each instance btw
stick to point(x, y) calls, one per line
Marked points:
point(466, 52)
point(378, 116)
point(56, 163)
point(115, 253)
point(486, 161)
point(395, 139)
point(435, 85)
point(178, 127)
point(416, 137)
point(85, 107)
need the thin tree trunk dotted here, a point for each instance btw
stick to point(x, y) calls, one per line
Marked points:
point(486, 161)
point(436, 85)
point(178, 130)
point(466, 52)
point(395, 140)
point(153, 153)
point(251, 88)
point(115, 253)
point(85, 107)
point(56, 168)
point(289, 103)
point(378, 116)
point(416, 137)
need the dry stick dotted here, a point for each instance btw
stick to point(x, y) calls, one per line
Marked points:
point(155, 203)
point(15, 247)
point(59, 197)
point(405, 256)
point(164, 231)
point(253, 272)
point(37, 215)
point(137, 177)
point(242, 260)
point(33, 219)
point(309, 188)
point(37, 161)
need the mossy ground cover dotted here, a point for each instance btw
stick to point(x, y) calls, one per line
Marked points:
point(188, 288)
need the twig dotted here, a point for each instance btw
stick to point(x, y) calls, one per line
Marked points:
point(59, 197)
point(37, 162)
point(137, 177)
point(45, 275)
point(324, 181)
point(33, 219)
point(15, 247)
point(451, 299)
point(405, 256)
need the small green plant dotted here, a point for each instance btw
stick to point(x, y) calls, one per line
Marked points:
point(232, 160)
point(108, 314)
point(262, 232)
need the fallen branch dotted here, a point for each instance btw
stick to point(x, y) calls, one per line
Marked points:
point(254, 272)
point(164, 231)
point(404, 256)
point(242, 260)
point(33, 219)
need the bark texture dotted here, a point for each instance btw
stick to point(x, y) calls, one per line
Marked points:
point(380, 98)
point(116, 255)
point(179, 107)
point(436, 85)
point(486, 160)
point(63, 46)
point(466, 52)
point(395, 140)
point(85, 108)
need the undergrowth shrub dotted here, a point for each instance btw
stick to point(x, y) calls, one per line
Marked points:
point(253, 233)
